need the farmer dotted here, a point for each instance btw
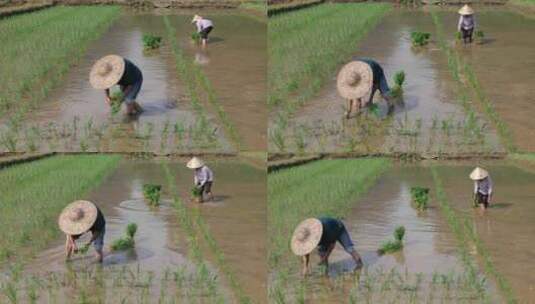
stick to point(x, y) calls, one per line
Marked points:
point(482, 187)
point(323, 233)
point(467, 23)
point(115, 70)
point(78, 218)
point(359, 79)
point(202, 178)
point(204, 27)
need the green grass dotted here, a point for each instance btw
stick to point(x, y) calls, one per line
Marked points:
point(33, 195)
point(307, 46)
point(321, 188)
point(257, 5)
point(38, 48)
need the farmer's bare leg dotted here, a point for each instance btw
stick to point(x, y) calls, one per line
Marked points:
point(349, 107)
point(306, 264)
point(99, 255)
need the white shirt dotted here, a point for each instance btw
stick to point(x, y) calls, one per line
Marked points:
point(202, 24)
point(483, 186)
point(203, 175)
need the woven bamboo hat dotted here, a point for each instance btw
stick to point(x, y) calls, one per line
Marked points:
point(195, 163)
point(196, 18)
point(107, 72)
point(306, 236)
point(354, 80)
point(479, 174)
point(466, 10)
point(77, 217)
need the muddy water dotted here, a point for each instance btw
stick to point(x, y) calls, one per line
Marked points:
point(235, 62)
point(504, 65)
point(236, 219)
point(507, 229)
point(162, 95)
point(429, 91)
point(160, 243)
point(429, 246)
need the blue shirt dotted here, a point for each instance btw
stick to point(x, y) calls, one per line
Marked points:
point(332, 229)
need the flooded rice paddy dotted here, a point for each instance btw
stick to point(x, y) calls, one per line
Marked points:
point(162, 265)
point(506, 229)
point(75, 116)
point(432, 116)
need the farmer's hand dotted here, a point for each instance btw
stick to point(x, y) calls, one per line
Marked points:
point(108, 100)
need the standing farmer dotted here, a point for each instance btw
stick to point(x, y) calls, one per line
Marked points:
point(323, 233)
point(203, 177)
point(78, 218)
point(467, 23)
point(359, 79)
point(482, 187)
point(115, 70)
point(204, 27)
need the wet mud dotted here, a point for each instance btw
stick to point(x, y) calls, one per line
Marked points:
point(235, 62)
point(506, 228)
point(429, 246)
point(236, 219)
point(428, 119)
point(504, 64)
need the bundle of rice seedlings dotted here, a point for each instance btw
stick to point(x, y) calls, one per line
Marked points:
point(151, 42)
point(151, 193)
point(117, 99)
point(127, 242)
point(196, 37)
point(399, 80)
point(420, 196)
point(420, 38)
point(393, 245)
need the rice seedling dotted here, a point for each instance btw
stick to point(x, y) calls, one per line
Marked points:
point(196, 37)
point(39, 190)
point(116, 100)
point(420, 197)
point(151, 193)
point(196, 194)
point(420, 39)
point(399, 80)
point(395, 245)
point(128, 242)
point(480, 35)
point(151, 42)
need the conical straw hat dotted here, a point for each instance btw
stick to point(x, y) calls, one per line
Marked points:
point(195, 163)
point(466, 10)
point(77, 217)
point(306, 236)
point(196, 18)
point(354, 80)
point(107, 72)
point(479, 174)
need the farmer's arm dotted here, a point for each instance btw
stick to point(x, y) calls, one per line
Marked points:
point(490, 190)
point(127, 89)
point(306, 263)
point(460, 22)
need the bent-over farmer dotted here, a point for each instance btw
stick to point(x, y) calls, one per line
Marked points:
point(482, 187)
point(203, 177)
point(78, 218)
point(359, 79)
point(115, 70)
point(204, 27)
point(467, 23)
point(322, 233)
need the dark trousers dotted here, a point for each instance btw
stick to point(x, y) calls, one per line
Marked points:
point(482, 199)
point(467, 35)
